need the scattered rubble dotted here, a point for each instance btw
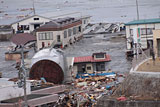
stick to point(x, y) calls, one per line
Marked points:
point(85, 92)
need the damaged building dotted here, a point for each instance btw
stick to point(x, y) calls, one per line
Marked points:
point(61, 32)
point(91, 64)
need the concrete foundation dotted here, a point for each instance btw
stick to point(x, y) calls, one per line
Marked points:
point(106, 102)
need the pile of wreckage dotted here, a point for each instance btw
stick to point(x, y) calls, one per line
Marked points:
point(86, 90)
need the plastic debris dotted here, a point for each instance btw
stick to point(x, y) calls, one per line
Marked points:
point(85, 90)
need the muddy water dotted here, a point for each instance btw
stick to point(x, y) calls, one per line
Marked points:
point(115, 47)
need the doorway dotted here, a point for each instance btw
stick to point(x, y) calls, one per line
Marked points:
point(36, 26)
point(158, 47)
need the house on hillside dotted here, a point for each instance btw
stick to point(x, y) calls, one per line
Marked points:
point(60, 32)
point(141, 32)
point(29, 24)
point(89, 64)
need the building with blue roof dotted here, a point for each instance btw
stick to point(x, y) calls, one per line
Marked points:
point(141, 32)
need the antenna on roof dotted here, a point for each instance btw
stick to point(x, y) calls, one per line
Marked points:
point(34, 11)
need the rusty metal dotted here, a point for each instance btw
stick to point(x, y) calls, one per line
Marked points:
point(50, 70)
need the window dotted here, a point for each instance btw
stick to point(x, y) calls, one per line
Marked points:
point(74, 30)
point(143, 31)
point(131, 32)
point(23, 27)
point(40, 36)
point(69, 32)
point(79, 29)
point(65, 34)
point(51, 35)
point(58, 38)
point(99, 55)
point(45, 36)
point(36, 18)
point(150, 31)
point(89, 68)
point(84, 21)
point(100, 66)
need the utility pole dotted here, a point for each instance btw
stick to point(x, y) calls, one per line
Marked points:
point(34, 11)
point(137, 10)
point(24, 77)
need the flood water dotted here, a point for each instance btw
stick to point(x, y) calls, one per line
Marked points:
point(115, 47)
point(100, 10)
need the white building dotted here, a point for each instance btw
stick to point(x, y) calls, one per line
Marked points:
point(29, 24)
point(85, 21)
point(60, 32)
point(142, 28)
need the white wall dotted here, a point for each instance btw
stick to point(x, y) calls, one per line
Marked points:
point(29, 21)
point(86, 20)
point(10, 90)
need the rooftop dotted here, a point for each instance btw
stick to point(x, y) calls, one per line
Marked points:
point(143, 21)
point(28, 17)
point(91, 59)
point(22, 38)
point(60, 24)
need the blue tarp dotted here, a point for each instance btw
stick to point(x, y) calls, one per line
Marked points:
point(85, 75)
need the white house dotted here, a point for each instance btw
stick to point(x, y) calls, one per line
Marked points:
point(144, 30)
point(29, 24)
point(60, 32)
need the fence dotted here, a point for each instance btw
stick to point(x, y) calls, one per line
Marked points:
point(137, 59)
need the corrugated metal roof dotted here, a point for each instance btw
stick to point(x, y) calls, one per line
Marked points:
point(144, 21)
point(90, 59)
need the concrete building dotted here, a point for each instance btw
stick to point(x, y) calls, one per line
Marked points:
point(89, 64)
point(144, 30)
point(5, 32)
point(85, 21)
point(156, 42)
point(29, 24)
point(60, 32)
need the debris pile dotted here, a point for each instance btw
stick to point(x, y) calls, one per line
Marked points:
point(85, 92)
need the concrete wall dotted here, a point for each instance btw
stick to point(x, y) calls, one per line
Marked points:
point(105, 102)
point(9, 89)
point(29, 21)
point(144, 38)
point(156, 35)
